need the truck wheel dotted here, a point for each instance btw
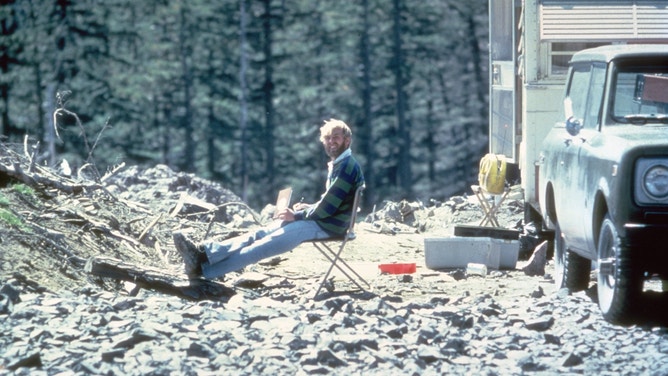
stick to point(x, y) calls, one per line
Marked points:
point(619, 278)
point(571, 270)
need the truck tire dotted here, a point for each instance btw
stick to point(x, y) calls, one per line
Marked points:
point(571, 270)
point(620, 279)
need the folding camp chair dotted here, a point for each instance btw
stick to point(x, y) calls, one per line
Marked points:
point(335, 257)
point(490, 204)
point(492, 180)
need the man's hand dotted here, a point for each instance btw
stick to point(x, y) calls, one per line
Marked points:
point(286, 215)
point(299, 206)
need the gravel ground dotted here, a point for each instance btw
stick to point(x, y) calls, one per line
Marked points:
point(56, 320)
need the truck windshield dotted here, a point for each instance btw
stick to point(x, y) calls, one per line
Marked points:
point(641, 97)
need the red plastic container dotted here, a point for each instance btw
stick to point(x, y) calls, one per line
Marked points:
point(397, 268)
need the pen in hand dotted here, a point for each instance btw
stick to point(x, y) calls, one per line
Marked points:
point(300, 205)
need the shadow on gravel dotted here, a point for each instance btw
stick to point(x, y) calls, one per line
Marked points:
point(355, 294)
point(651, 311)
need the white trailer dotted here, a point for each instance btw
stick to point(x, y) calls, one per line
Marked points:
point(531, 43)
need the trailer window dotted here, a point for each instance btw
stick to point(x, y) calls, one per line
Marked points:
point(562, 52)
point(501, 27)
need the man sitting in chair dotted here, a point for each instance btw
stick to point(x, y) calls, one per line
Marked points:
point(327, 218)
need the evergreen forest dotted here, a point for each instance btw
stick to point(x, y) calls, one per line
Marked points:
point(235, 91)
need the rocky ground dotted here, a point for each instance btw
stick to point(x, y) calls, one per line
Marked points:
point(58, 319)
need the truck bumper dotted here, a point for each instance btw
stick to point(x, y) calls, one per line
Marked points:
point(649, 242)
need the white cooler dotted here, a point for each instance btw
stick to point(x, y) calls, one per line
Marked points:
point(458, 251)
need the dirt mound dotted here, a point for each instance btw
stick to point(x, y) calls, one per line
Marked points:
point(50, 224)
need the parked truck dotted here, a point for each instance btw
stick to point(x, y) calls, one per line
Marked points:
point(579, 104)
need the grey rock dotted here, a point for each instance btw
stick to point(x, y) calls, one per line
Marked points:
point(5, 304)
point(551, 339)
point(529, 364)
point(456, 345)
point(571, 360)
point(538, 293)
point(110, 355)
point(324, 358)
point(537, 261)
point(398, 332)
point(199, 350)
point(137, 336)
point(12, 291)
point(429, 354)
point(540, 324)
point(31, 360)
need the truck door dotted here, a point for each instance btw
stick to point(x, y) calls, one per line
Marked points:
point(583, 103)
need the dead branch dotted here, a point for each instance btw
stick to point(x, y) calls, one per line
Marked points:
point(112, 172)
point(33, 179)
point(97, 139)
point(159, 280)
point(149, 227)
point(190, 200)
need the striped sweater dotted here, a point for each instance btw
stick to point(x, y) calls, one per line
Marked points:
point(332, 212)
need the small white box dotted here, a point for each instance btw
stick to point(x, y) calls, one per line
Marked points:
point(457, 252)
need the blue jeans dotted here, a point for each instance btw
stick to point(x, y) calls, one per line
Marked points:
point(234, 254)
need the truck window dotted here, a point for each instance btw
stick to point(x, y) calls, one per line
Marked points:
point(585, 94)
point(625, 103)
point(577, 91)
point(639, 93)
point(595, 98)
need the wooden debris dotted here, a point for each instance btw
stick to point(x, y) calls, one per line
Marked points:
point(90, 231)
point(186, 199)
point(149, 227)
point(158, 280)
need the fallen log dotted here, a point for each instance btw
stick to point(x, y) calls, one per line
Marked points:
point(158, 280)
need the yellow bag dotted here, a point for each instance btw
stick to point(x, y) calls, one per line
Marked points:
point(492, 175)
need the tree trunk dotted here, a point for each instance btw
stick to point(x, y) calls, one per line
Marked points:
point(481, 87)
point(243, 99)
point(8, 27)
point(210, 143)
point(268, 89)
point(186, 120)
point(403, 125)
point(48, 107)
point(366, 131)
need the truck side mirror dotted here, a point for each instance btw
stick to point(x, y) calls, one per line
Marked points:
point(573, 126)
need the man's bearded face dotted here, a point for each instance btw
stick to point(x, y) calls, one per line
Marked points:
point(335, 143)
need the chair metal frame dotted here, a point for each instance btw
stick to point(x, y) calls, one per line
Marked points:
point(489, 208)
point(335, 257)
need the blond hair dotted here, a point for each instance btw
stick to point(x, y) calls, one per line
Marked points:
point(332, 124)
